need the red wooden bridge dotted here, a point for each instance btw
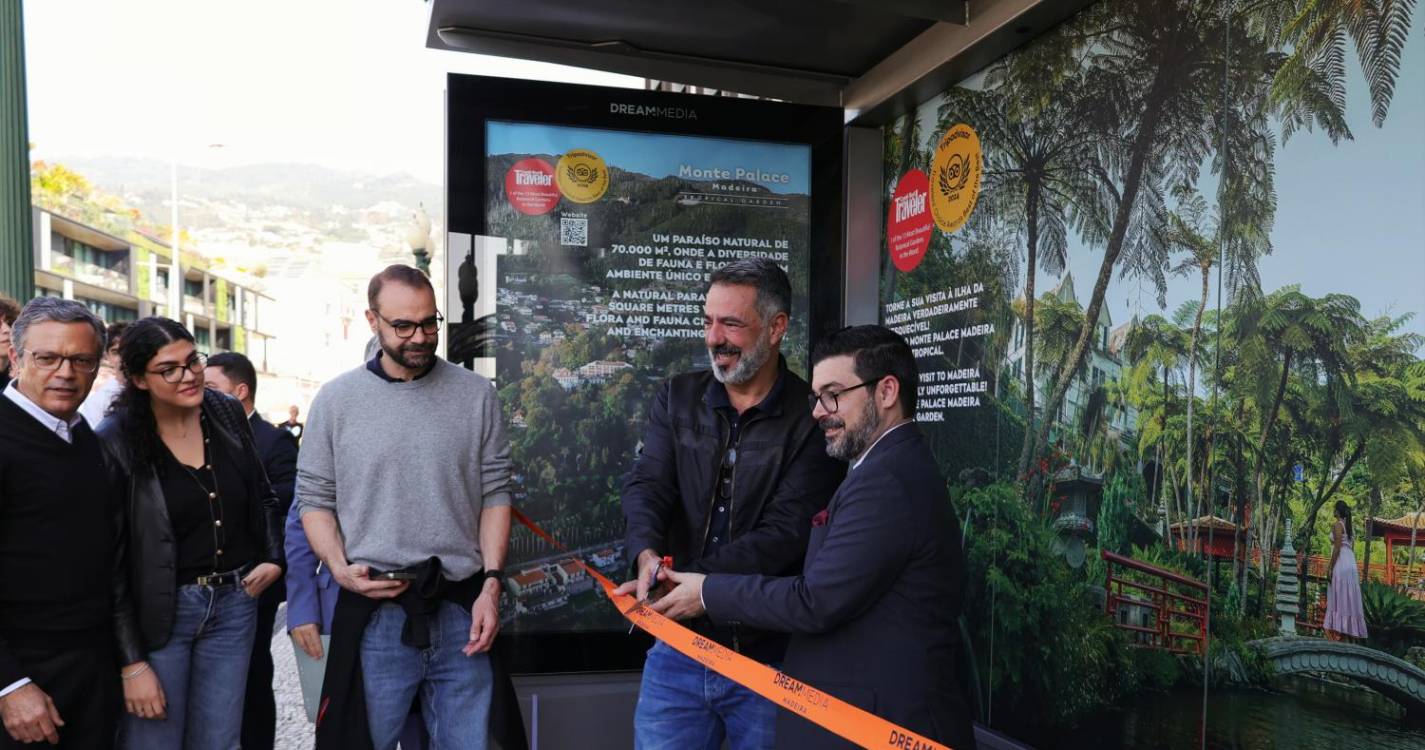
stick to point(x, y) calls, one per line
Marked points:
point(1166, 610)
point(1158, 607)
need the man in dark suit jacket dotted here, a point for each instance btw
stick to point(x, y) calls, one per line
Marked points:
point(233, 374)
point(873, 614)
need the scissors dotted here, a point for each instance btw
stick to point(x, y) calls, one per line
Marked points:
point(663, 562)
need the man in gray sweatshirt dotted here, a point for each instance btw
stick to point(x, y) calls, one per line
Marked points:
point(403, 460)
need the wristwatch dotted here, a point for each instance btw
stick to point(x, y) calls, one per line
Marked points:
point(498, 575)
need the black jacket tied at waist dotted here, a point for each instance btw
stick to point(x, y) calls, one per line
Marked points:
point(422, 600)
point(342, 720)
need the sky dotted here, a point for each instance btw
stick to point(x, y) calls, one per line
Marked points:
point(658, 155)
point(347, 84)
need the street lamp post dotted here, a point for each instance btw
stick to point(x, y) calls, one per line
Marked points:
point(418, 238)
point(175, 275)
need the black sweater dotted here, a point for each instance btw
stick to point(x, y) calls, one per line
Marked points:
point(57, 539)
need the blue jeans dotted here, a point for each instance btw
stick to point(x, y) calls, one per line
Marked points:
point(203, 671)
point(683, 705)
point(454, 688)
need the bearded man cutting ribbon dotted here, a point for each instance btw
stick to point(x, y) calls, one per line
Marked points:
point(872, 616)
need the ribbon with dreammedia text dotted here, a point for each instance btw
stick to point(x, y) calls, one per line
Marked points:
point(827, 711)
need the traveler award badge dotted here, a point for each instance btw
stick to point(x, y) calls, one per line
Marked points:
point(530, 187)
point(955, 177)
point(908, 226)
point(582, 175)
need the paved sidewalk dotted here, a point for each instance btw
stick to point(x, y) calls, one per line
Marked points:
point(294, 732)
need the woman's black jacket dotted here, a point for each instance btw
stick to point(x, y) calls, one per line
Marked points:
point(144, 609)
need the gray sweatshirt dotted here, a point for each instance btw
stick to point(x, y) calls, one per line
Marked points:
point(406, 467)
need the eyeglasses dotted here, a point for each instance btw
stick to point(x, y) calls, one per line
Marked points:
point(406, 329)
point(829, 399)
point(85, 363)
point(174, 373)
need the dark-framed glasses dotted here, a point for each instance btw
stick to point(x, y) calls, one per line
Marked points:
point(48, 361)
point(174, 373)
point(829, 399)
point(406, 329)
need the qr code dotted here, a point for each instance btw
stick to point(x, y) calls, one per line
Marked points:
point(574, 231)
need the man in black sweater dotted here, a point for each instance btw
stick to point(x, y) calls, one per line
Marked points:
point(60, 546)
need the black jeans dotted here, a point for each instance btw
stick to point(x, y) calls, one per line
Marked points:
point(83, 682)
point(259, 715)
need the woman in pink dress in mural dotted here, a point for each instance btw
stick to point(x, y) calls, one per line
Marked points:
point(1345, 616)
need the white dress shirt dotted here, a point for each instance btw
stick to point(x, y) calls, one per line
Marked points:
point(857, 462)
point(61, 427)
point(65, 430)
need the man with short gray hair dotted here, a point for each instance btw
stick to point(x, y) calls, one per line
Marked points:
point(61, 571)
point(732, 469)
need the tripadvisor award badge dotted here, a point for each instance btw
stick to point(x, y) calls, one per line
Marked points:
point(582, 175)
point(955, 177)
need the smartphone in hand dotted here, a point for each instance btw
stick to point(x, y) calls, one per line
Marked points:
point(393, 575)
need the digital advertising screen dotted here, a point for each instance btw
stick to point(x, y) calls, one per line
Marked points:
point(581, 248)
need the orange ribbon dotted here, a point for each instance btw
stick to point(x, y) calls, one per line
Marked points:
point(827, 711)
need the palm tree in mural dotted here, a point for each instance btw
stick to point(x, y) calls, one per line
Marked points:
point(1218, 446)
point(1059, 323)
point(1188, 233)
point(1247, 202)
point(1378, 414)
point(1164, 89)
point(1192, 319)
point(1099, 442)
point(1316, 32)
point(1155, 345)
point(1036, 152)
point(1392, 459)
point(1169, 429)
point(1287, 331)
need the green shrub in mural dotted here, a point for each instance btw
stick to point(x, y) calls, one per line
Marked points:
point(1396, 621)
point(1050, 653)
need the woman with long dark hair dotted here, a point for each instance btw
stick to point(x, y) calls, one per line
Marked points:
point(1345, 617)
point(204, 539)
